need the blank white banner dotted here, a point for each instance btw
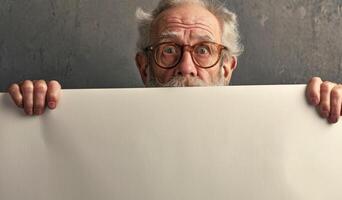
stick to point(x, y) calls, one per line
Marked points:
point(220, 143)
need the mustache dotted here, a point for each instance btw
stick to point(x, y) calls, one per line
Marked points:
point(181, 81)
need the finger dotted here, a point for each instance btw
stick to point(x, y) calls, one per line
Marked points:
point(53, 94)
point(27, 92)
point(313, 91)
point(40, 89)
point(326, 88)
point(15, 94)
point(336, 102)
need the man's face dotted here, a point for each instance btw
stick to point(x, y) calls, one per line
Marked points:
point(188, 24)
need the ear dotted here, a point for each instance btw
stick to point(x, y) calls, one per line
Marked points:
point(229, 65)
point(141, 61)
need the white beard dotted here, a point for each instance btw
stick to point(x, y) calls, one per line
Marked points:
point(181, 81)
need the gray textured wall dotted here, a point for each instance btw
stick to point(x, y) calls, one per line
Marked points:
point(91, 43)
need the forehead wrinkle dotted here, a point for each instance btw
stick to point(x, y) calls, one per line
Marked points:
point(190, 26)
point(185, 21)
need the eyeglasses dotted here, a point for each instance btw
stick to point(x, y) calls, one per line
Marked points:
point(169, 54)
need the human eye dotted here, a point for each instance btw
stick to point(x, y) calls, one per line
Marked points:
point(203, 50)
point(169, 50)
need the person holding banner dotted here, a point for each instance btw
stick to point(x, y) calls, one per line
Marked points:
point(183, 43)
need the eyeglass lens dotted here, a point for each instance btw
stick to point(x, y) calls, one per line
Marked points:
point(168, 55)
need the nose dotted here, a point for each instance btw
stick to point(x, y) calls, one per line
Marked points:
point(186, 66)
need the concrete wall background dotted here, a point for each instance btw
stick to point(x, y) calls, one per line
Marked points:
point(91, 43)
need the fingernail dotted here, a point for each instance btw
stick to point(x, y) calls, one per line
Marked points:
point(325, 114)
point(333, 120)
point(38, 112)
point(52, 105)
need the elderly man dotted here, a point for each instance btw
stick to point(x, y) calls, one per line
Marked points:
point(183, 43)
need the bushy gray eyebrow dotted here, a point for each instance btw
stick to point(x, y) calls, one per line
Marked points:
point(175, 35)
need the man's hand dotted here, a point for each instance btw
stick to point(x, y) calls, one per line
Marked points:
point(327, 97)
point(34, 96)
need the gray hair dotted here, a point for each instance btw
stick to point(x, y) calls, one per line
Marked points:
point(227, 19)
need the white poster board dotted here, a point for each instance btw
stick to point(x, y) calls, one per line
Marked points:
point(238, 143)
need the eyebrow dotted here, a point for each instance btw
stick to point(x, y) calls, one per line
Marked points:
point(167, 35)
point(175, 35)
point(203, 38)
